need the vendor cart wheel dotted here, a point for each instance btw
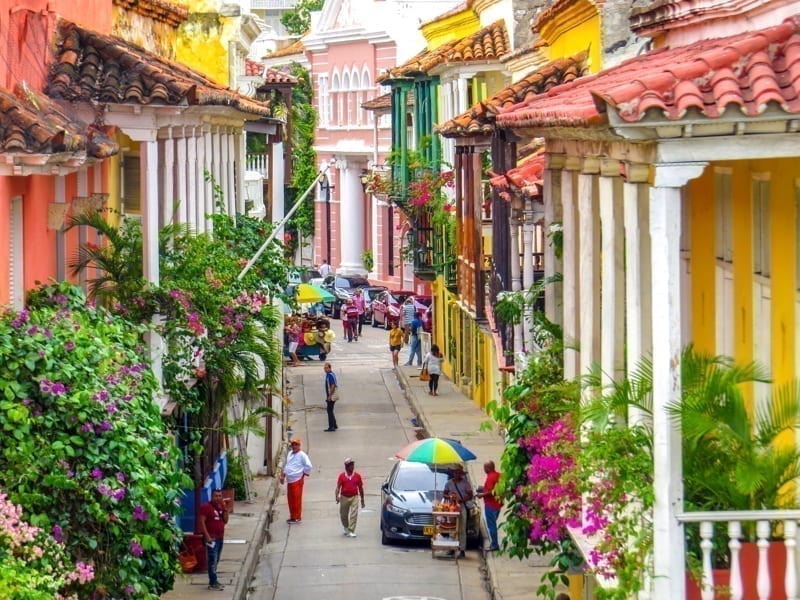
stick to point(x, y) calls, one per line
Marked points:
point(322, 356)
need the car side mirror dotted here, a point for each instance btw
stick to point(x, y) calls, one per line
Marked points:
point(385, 487)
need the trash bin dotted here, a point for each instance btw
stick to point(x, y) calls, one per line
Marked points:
point(194, 543)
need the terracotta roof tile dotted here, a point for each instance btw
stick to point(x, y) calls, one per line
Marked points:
point(32, 124)
point(91, 67)
point(490, 43)
point(526, 178)
point(480, 118)
point(253, 68)
point(159, 10)
point(748, 71)
point(278, 76)
point(293, 48)
point(384, 102)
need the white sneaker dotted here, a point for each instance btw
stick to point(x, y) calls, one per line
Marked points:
point(351, 534)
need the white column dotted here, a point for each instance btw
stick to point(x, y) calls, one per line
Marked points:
point(237, 200)
point(238, 168)
point(551, 195)
point(527, 270)
point(612, 308)
point(588, 267)
point(352, 219)
point(191, 179)
point(211, 144)
point(199, 178)
point(168, 178)
point(181, 187)
point(277, 186)
point(149, 184)
point(570, 274)
point(516, 271)
point(665, 233)
point(636, 285)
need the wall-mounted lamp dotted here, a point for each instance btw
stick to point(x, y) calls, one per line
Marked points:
point(364, 177)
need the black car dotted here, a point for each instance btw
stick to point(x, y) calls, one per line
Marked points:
point(342, 287)
point(407, 498)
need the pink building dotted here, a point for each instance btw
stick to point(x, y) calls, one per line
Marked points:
point(351, 43)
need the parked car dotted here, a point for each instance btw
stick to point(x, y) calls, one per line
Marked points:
point(407, 498)
point(342, 287)
point(424, 306)
point(387, 307)
point(302, 275)
point(370, 293)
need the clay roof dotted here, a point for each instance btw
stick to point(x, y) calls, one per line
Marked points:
point(745, 72)
point(33, 124)
point(253, 68)
point(479, 119)
point(278, 76)
point(293, 48)
point(384, 102)
point(528, 177)
point(490, 43)
point(96, 68)
point(159, 10)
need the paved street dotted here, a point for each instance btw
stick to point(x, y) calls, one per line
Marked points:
point(314, 559)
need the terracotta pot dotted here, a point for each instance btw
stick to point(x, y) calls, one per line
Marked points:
point(194, 543)
point(722, 577)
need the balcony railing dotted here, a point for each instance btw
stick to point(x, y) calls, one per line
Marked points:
point(766, 568)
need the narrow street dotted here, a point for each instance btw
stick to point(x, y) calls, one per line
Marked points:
point(313, 559)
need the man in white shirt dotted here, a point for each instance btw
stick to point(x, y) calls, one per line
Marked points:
point(325, 268)
point(297, 468)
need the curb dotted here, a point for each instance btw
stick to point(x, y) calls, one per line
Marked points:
point(256, 542)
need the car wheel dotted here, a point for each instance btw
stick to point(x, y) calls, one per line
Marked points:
point(374, 322)
point(386, 324)
point(385, 540)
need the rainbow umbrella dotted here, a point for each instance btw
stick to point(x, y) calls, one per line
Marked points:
point(436, 451)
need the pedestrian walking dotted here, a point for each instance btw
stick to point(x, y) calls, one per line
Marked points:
point(459, 490)
point(297, 468)
point(361, 306)
point(351, 315)
point(395, 343)
point(416, 342)
point(408, 314)
point(433, 363)
point(491, 503)
point(349, 488)
point(331, 396)
point(213, 517)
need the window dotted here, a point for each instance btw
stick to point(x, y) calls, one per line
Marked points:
point(356, 86)
point(131, 192)
point(335, 103)
point(347, 114)
point(16, 285)
point(324, 100)
point(723, 241)
point(761, 224)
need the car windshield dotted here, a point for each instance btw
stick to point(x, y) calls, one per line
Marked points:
point(419, 479)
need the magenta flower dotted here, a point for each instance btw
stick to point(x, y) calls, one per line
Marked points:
point(139, 514)
point(97, 473)
point(57, 533)
point(136, 548)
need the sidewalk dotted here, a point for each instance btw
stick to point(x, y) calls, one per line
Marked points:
point(452, 415)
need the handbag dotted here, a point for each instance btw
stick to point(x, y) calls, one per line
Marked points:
point(424, 375)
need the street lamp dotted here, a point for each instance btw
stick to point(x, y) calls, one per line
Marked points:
point(325, 188)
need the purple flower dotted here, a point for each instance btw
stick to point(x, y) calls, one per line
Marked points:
point(57, 533)
point(119, 494)
point(139, 514)
point(33, 330)
point(121, 477)
point(164, 516)
point(97, 473)
point(104, 426)
point(100, 396)
point(129, 590)
point(104, 489)
point(69, 346)
point(111, 408)
point(20, 319)
point(136, 549)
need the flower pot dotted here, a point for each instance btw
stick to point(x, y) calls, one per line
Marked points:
point(194, 543)
point(776, 555)
point(722, 579)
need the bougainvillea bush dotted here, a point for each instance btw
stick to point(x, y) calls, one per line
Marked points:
point(83, 449)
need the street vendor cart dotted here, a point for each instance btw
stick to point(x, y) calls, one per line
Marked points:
point(445, 527)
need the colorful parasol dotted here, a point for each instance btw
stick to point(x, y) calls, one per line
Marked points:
point(436, 451)
point(306, 293)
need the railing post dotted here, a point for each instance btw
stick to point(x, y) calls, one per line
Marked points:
point(706, 545)
point(790, 541)
point(763, 585)
point(735, 545)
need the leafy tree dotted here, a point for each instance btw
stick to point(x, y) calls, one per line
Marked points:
point(83, 447)
point(298, 20)
point(304, 164)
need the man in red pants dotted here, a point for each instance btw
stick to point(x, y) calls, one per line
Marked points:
point(297, 468)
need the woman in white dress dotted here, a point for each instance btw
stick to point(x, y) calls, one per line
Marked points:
point(433, 362)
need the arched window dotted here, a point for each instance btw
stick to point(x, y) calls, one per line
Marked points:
point(345, 101)
point(356, 94)
point(324, 102)
point(367, 94)
point(336, 93)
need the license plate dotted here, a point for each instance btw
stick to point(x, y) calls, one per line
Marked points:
point(427, 530)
